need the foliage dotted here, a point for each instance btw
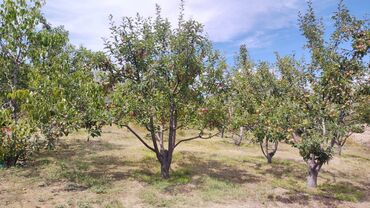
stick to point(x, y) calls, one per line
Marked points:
point(14, 140)
point(48, 86)
point(262, 102)
point(334, 77)
point(18, 22)
point(165, 79)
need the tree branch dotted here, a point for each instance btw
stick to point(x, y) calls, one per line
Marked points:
point(276, 147)
point(138, 137)
point(263, 151)
point(196, 137)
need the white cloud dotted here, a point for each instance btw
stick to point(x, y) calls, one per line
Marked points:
point(224, 20)
point(257, 40)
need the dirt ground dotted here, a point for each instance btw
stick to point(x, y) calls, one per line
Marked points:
point(363, 138)
point(117, 171)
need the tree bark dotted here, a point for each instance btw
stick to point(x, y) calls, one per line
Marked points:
point(239, 139)
point(339, 149)
point(269, 158)
point(166, 155)
point(165, 164)
point(314, 167)
point(312, 178)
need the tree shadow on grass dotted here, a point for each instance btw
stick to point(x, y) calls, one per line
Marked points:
point(331, 195)
point(217, 170)
point(75, 156)
point(285, 168)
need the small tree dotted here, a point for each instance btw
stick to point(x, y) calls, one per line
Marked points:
point(90, 99)
point(165, 80)
point(259, 104)
point(239, 109)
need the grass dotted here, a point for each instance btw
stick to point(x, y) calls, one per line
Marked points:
point(114, 204)
point(78, 173)
point(152, 198)
point(342, 191)
point(117, 171)
point(179, 177)
point(216, 190)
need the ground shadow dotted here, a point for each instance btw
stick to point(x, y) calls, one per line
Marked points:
point(285, 168)
point(217, 170)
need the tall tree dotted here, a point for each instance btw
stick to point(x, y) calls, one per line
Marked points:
point(165, 79)
point(334, 75)
point(43, 80)
point(18, 22)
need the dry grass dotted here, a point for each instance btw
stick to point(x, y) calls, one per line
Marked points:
point(117, 171)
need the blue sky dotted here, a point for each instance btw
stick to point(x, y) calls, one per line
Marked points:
point(265, 26)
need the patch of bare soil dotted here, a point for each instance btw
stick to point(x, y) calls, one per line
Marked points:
point(362, 138)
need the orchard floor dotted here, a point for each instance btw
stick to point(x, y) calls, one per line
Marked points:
point(117, 171)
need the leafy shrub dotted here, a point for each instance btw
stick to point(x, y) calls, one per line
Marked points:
point(14, 143)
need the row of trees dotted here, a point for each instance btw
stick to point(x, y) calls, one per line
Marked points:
point(166, 79)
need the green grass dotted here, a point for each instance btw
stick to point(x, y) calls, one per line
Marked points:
point(217, 190)
point(342, 191)
point(78, 173)
point(151, 197)
point(178, 177)
point(288, 184)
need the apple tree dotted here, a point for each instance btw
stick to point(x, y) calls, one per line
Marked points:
point(165, 79)
point(334, 74)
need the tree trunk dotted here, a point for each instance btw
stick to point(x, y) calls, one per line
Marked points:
point(312, 177)
point(265, 150)
point(165, 164)
point(269, 158)
point(160, 135)
point(166, 155)
point(314, 167)
point(11, 161)
point(339, 149)
point(238, 141)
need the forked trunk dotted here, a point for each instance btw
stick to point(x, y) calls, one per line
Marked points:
point(267, 151)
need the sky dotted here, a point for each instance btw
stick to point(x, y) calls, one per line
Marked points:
point(265, 26)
